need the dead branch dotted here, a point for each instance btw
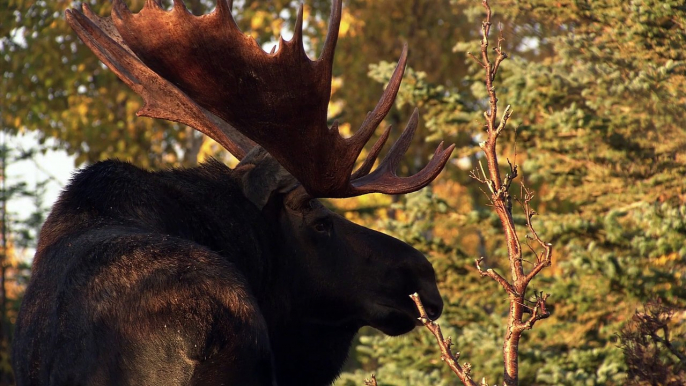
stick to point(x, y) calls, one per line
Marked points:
point(495, 276)
point(502, 203)
point(647, 353)
point(371, 381)
point(462, 372)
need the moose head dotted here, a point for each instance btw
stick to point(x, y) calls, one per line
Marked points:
point(280, 284)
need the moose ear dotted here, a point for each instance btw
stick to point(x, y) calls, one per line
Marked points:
point(261, 176)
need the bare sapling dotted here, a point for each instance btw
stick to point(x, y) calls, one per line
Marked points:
point(501, 200)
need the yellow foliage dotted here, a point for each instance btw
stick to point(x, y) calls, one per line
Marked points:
point(336, 84)
point(307, 11)
point(345, 130)
point(663, 260)
point(350, 26)
point(258, 20)
point(82, 109)
point(336, 106)
point(276, 26)
point(11, 255)
point(206, 149)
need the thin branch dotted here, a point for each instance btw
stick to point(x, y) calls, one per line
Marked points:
point(371, 381)
point(495, 276)
point(667, 343)
point(483, 172)
point(476, 59)
point(474, 175)
point(503, 120)
point(539, 312)
point(514, 146)
point(462, 372)
point(537, 268)
point(499, 50)
point(546, 258)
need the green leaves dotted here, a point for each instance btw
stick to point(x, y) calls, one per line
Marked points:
point(599, 94)
point(53, 84)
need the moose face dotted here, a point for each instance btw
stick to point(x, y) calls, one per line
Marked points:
point(210, 76)
point(351, 276)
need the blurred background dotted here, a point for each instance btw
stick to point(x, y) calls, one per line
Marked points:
point(598, 90)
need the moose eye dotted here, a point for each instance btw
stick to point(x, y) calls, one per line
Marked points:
point(321, 227)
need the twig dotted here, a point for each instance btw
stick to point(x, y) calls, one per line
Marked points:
point(541, 262)
point(371, 381)
point(499, 50)
point(503, 121)
point(462, 372)
point(476, 59)
point(539, 312)
point(667, 343)
point(643, 347)
point(495, 276)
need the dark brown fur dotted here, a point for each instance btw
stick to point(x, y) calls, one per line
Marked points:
point(178, 278)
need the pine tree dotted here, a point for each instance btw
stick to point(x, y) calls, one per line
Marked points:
point(599, 115)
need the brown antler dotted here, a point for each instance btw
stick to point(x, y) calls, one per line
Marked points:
point(278, 99)
point(162, 99)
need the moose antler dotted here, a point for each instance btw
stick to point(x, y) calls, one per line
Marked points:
point(279, 100)
point(162, 99)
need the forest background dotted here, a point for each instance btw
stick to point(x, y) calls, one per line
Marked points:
point(598, 90)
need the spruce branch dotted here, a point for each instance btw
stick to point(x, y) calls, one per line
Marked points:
point(647, 347)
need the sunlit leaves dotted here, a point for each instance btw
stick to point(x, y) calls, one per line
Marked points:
point(599, 94)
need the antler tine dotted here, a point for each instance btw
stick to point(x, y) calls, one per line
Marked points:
point(368, 163)
point(205, 72)
point(332, 34)
point(224, 7)
point(298, 29)
point(223, 11)
point(120, 9)
point(392, 159)
point(153, 4)
point(162, 99)
point(374, 118)
point(178, 4)
point(384, 178)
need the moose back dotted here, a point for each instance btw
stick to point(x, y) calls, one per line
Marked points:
point(213, 275)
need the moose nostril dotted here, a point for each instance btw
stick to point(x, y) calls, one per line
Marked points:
point(432, 312)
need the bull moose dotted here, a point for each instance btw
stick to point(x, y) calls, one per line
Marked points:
point(213, 275)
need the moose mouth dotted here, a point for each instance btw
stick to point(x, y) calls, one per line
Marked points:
point(397, 318)
point(393, 320)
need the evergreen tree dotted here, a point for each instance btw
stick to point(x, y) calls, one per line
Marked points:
point(600, 133)
point(598, 89)
point(17, 233)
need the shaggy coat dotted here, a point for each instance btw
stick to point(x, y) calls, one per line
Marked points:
point(206, 276)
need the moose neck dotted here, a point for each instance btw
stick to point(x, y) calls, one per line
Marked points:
point(310, 354)
point(305, 350)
